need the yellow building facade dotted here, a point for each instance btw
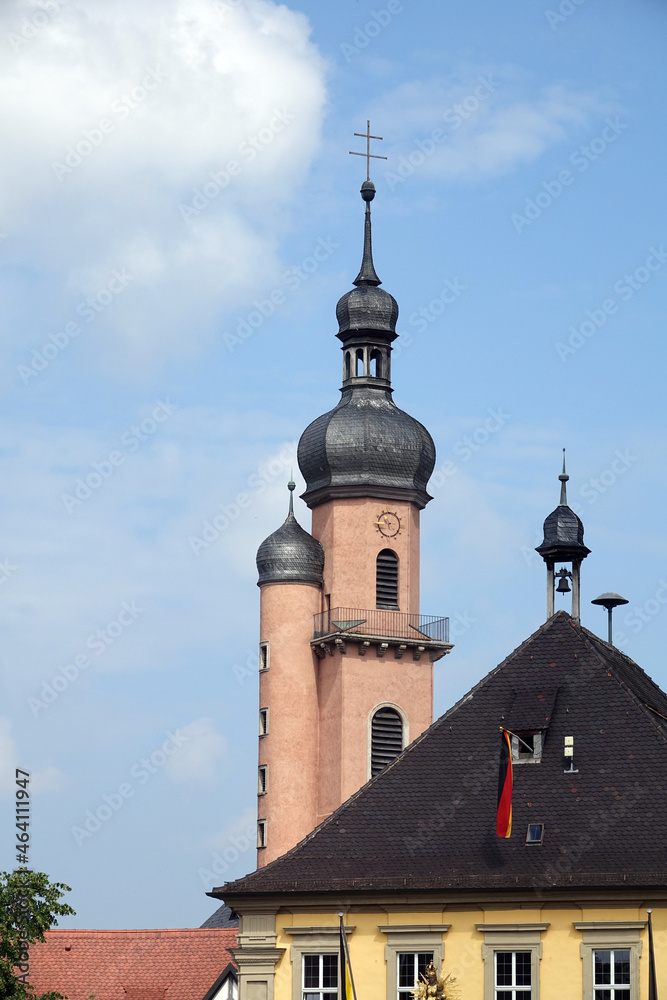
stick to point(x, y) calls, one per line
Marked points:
point(563, 937)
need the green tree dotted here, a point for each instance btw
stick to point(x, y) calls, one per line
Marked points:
point(29, 905)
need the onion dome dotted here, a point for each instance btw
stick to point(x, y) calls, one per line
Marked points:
point(290, 554)
point(366, 446)
point(563, 530)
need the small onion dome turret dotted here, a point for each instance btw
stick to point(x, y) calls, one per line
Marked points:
point(290, 554)
point(563, 530)
point(367, 307)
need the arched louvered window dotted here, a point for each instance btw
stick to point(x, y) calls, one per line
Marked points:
point(386, 580)
point(386, 738)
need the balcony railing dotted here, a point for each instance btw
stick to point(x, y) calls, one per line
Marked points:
point(388, 624)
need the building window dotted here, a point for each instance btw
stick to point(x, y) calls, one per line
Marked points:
point(611, 974)
point(263, 722)
point(527, 747)
point(386, 738)
point(411, 967)
point(320, 977)
point(262, 779)
point(263, 656)
point(348, 365)
point(261, 833)
point(535, 834)
point(610, 950)
point(512, 954)
point(513, 975)
point(386, 580)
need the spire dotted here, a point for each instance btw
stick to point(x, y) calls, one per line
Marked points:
point(367, 275)
point(563, 487)
point(291, 486)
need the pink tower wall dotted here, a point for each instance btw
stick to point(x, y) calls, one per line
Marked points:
point(289, 690)
point(351, 543)
point(350, 686)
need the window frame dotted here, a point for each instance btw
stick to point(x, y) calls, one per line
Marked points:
point(369, 743)
point(407, 991)
point(312, 941)
point(612, 987)
point(263, 722)
point(404, 938)
point(518, 992)
point(323, 992)
point(511, 937)
point(609, 935)
point(264, 656)
point(261, 834)
point(262, 779)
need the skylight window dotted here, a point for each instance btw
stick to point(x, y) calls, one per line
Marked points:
point(535, 834)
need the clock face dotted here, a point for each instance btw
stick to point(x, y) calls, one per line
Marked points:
point(388, 524)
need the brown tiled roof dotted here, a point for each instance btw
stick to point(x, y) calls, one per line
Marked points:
point(428, 820)
point(132, 964)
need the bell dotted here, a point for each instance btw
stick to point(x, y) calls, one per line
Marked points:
point(563, 585)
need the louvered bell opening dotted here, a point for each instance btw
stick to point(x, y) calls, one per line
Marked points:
point(386, 738)
point(386, 581)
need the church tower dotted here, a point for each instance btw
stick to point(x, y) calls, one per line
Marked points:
point(346, 658)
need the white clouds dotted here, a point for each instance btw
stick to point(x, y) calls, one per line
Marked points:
point(479, 129)
point(199, 760)
point(139, 105)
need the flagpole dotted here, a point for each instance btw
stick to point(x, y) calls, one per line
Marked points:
point(343, 941)
point(652, 981)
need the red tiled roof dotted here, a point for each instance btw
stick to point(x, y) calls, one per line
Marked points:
point(179, 964)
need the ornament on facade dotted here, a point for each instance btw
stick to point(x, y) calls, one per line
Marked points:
point(436, 987)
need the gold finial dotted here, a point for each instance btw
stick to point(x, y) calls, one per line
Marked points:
point(369, 156)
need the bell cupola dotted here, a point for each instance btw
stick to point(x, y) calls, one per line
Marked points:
point(563, 543)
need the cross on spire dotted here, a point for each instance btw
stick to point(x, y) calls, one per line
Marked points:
point(369, 156)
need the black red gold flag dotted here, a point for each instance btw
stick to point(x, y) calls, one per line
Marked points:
point(504, 812)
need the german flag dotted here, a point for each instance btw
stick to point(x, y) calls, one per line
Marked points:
point(504, 812)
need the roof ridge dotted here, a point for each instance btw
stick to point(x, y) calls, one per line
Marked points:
point(592, 640)
point(138, 930)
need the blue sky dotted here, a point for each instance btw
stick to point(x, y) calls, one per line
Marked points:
point(169, 167)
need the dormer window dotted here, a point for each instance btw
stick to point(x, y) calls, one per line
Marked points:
point(527, 747)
